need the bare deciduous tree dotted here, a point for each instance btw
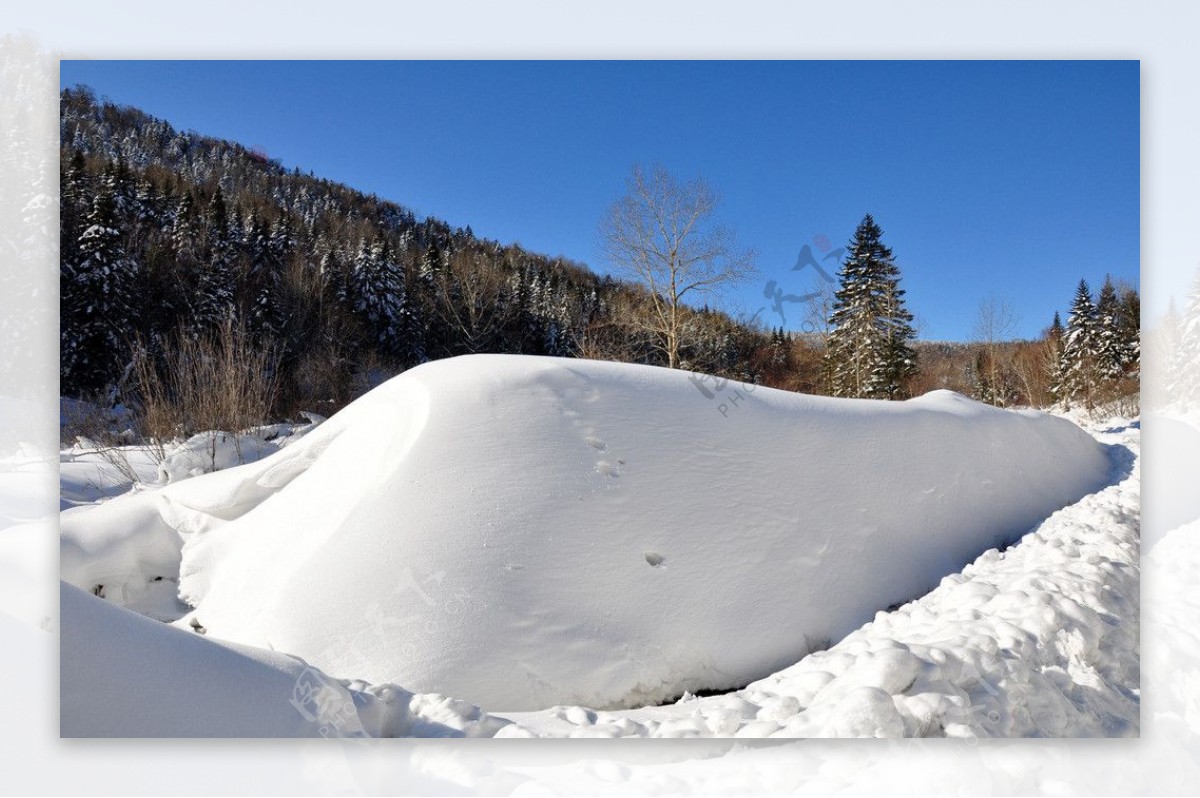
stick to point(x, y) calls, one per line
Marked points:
point(994, 325)
point(663, 234)
point(1031, 364)
point(472, 300)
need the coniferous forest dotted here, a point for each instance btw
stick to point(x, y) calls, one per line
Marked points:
point(173, 241)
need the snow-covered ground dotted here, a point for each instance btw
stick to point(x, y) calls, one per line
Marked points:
point(625, 534)
point(1038, 640)
point(90, 472)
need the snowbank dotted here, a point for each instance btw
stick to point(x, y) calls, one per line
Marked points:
point(91, 472)
point(128, 551)
point(1039, 640)
point(521, 532)
point(123, 675)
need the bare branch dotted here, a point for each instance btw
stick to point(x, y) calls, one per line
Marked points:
point(662, 234)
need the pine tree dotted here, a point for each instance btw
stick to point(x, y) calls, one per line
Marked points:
point(97, 298)
point(264, 283)
point(146, 202)
point(1110, 349)
point(379, 295)
point(430, 274)
point(868, 353)
point(1129, 335)
point(183, 227)
point(1054, 358)
point(215, 297)
point(1080, 345)
point(75, 202)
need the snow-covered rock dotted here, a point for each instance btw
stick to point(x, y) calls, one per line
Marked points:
point(521, 532)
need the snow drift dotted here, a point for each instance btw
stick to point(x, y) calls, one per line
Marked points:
point(123, 675)
point(521, 532)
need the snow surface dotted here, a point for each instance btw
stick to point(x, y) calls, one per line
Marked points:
point(524, 532)
point(1052, 651)
point(126, 551)
point(91, 472)
point(123, 675)
point(1039, 640)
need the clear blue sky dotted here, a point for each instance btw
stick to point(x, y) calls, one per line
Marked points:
point(1013, 179)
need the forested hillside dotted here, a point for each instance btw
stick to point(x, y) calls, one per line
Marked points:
point(168, 234)
point(176, 245)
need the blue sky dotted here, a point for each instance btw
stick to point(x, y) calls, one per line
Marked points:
point(1012, 179)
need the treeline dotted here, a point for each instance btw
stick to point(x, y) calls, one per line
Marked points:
point(172, 241)
point(168, 235)
point(1091, 361)
point(1097, 356)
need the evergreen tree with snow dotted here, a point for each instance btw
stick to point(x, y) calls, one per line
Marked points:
point(1110, 348)
point(183, 226)
point(1129, 333)
point(1054, 364)
point(379, 295)
point(97, 298)
point(264, 288)
point(146, 202)
point(75, 202)
point(1080, 361)
point(868, 353)
point(215, 297)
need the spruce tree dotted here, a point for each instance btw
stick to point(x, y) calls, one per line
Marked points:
point(379, 295)
point(868, 352)
point(215, 289)
point(1110, 349)
point(1054, 358)
point(1129, 320)
point(97, 298)
point(1080, 343)
point(264, 289)
point(75, 203)
point(183, 227)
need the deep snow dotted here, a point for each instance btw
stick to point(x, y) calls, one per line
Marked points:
point(621, 534)
point(1038, 640)
point(123, 675)
point(988, 659)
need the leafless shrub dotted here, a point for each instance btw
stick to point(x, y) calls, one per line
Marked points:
point(323, 380)
point(219, 381)
point(98, 431)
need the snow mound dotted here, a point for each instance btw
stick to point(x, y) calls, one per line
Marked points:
point(1039, 640)
point(126, 551)
point(521, 532)
point(123, 675)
